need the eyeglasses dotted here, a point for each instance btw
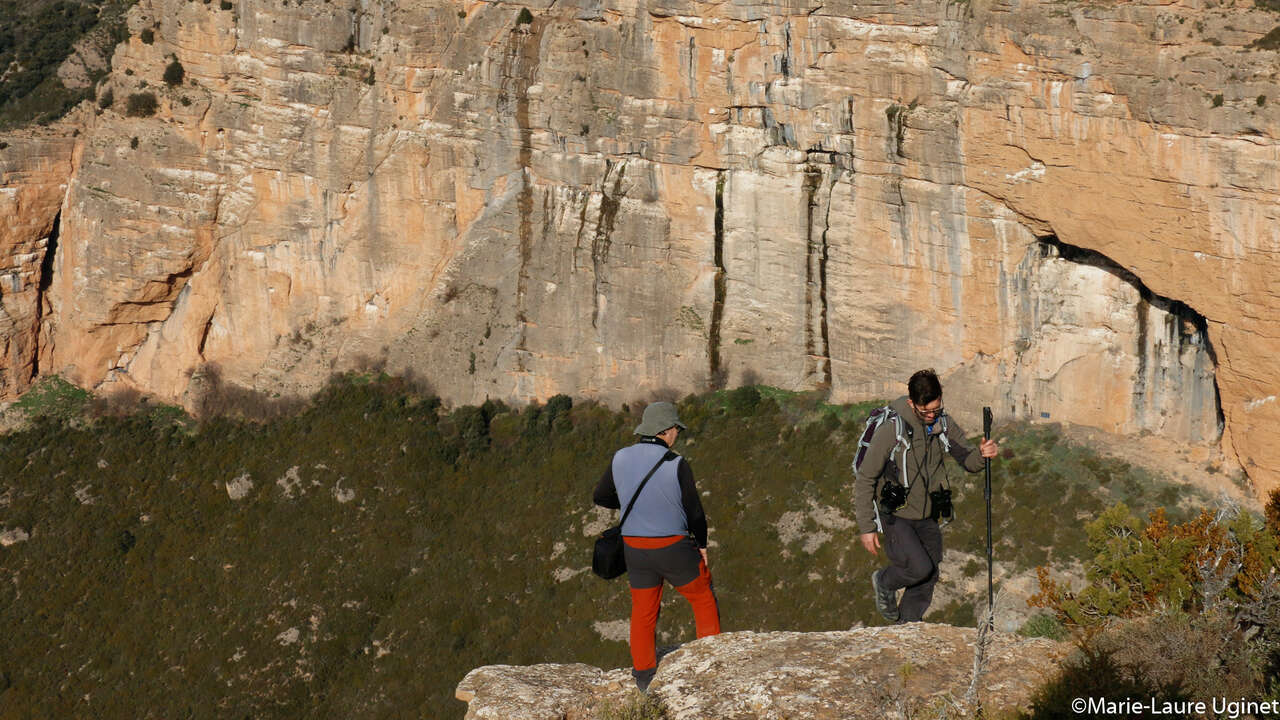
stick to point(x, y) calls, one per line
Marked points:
point(934, 412)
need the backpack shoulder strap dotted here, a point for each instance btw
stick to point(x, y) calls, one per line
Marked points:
point(942, 434)
point(899, 429)
point(873, 423)
point(903, 445)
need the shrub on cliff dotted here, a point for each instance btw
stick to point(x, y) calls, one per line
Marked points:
point(53, 398)
point(1270, 41)
point(141, 105)
point(1176, 611)
point(636, 707)
point(173, 73)
point(1227, 558)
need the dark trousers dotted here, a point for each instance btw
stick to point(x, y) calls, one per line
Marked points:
point(914, 548)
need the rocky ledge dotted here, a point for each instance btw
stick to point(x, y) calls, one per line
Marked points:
point(860, 673)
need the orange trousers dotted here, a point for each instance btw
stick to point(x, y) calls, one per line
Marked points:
point(646, 604)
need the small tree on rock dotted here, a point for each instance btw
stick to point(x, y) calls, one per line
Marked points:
point(141, 105)
point(173, 73)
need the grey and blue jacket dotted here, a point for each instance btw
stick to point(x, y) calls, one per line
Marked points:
point(669, 504)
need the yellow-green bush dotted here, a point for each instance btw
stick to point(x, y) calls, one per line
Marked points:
point(1173, 611)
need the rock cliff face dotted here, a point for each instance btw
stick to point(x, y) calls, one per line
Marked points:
point(865, 673)
point(33, 182)
point(1068, 209)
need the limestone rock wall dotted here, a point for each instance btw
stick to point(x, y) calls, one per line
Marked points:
point(1093, 346)
point(34, 172)
point(614, 197)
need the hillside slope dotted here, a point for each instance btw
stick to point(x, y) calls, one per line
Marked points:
point(357, 557)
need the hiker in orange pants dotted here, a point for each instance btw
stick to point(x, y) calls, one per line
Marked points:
point(650, 561)
point(664, 535)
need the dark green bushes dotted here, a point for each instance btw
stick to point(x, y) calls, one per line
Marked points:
point(382, 545)
point(35, 38)
point(1270, 41)
point(141, 105)
point(173, 73)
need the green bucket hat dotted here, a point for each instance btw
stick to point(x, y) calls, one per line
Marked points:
point(658, 417)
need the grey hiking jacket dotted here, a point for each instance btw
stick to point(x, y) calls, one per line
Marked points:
point(923, 462)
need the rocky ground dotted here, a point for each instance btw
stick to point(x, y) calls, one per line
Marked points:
point(894, 671)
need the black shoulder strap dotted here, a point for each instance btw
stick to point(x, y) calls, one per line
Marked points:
point(665, 457)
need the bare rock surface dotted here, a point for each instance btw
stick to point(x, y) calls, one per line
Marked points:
point(534, 692)
point(34, 172)
point(861, 673)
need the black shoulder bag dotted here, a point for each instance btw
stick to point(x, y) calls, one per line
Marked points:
point(607, 560)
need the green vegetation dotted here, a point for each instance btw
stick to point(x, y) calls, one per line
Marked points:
point(1217, 100)
point(36, 36)
point(1044, 625)
point(636, 707)
point(1046, 475)
point(54, 398)
point(1139, 567)
point(174, 73)
point(525, 17)
point(141, 104)
point(1172, 611)
point(1270, 41)
point(382, 546)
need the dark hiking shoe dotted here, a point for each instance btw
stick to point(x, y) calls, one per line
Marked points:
point(643, 678)
point(886, 600)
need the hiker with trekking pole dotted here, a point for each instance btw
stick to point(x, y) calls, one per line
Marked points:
point(902, 490)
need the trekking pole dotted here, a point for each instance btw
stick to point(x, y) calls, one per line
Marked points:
point(986, 435)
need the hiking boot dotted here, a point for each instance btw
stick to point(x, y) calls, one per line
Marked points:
point(886, 600)
point(643, 678)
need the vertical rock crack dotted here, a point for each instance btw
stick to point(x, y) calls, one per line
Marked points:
point(717, 374)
